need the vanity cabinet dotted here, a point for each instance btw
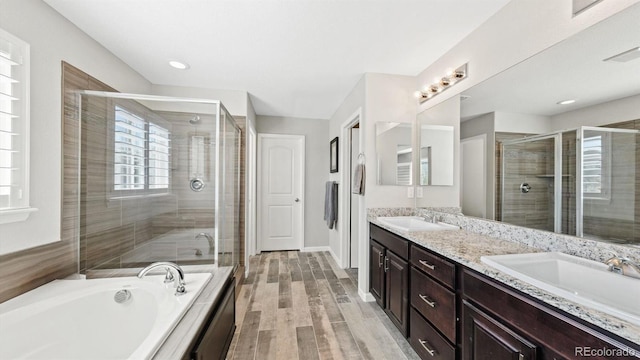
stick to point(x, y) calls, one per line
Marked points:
point(433, 322)
point(215, 338)
point(457, 313)
point(389, 274)
point(501, 323)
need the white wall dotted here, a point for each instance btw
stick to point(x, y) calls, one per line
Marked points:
point(521, 123)
point(316, 132)
point(387, 98)
point(602, 114)
point(53, 39)
point(354, 101)
point(518, 31)
point(235, 101)
point(484, 125)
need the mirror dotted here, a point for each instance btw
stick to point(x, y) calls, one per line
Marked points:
point(537, 121)
point(394, 153)
point(436, 154)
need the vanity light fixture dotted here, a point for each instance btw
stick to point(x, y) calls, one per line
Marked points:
point(178, 65)
point(566, 102)
point(452, 78)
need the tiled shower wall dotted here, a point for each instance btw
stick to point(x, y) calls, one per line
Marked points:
point(120, 233)
point(612, 227)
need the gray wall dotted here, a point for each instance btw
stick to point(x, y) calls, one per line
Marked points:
point(316, 132)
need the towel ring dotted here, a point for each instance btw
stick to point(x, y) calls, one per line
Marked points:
point(361, 158)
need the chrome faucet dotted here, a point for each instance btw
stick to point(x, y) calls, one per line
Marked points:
point(178, 282)
point(623, 266)
point(212, 246)
point(432, 219)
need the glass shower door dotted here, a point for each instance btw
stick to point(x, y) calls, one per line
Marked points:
point(531, 182)
point(607, 163)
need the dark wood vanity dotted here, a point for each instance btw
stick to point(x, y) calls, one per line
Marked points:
point(457, 313)
point(217, 331)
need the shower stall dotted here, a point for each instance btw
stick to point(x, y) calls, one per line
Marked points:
point(579, 182)
point(159, 181)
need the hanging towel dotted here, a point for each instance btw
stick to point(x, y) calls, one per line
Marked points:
point(331, 203)
point(359, 177)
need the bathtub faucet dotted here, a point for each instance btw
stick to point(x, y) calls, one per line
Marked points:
point(170, 267)
point(212, 246)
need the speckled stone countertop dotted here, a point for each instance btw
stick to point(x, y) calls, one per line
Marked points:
point(466, 248)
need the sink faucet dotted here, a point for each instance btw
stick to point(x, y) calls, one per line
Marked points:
point(212, 246)
point(623, 266)
point(178, 282)
point(432, 219)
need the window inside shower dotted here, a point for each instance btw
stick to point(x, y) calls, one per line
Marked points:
point(159, 181)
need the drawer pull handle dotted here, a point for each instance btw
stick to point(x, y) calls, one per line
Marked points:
point(426, 299)
point(424, 345)
point(432, 267)
point(386, 264)
point(380, 260)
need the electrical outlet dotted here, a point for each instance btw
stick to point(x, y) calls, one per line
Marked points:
point(410, 192)
point(419, 193)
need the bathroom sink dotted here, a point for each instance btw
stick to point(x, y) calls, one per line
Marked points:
point(414, 223)
point(584, 281)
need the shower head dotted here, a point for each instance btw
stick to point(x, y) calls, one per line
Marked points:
point(195, 120)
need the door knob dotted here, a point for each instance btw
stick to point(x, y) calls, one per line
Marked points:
point(297, 200)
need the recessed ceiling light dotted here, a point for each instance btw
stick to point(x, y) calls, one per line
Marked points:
point(178, 64)
point(566, 102)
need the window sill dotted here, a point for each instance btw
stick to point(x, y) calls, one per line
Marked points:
point(15, 215)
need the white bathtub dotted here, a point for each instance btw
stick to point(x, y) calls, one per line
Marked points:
point(79, 319)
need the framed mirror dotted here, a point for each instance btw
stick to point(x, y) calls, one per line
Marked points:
point(394, 153)
point(561, 133)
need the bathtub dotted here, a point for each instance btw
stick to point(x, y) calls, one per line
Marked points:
point(80, 319)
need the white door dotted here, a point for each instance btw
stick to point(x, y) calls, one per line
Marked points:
point(473, 195)
point(280, 192)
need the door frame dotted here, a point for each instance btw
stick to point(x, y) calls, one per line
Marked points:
point(261, 137)
point(344, 200)
point(482, 137)
point(250, 191)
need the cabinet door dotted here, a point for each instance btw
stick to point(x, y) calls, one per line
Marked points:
point(487, 339)
point(397, 290)
point(217, 337)
point(376, 272)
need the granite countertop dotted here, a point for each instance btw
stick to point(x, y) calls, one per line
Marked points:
point(466, 248)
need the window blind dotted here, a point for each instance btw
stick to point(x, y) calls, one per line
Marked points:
point(14, 122)
point(592, 165)
point(142, 152)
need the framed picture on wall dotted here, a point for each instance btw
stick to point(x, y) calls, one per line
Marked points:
point(333, 155)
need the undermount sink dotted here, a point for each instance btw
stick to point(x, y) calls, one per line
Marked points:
point(583, 281)
point(414, 223)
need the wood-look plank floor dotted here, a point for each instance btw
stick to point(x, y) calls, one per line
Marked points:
point(296, 305)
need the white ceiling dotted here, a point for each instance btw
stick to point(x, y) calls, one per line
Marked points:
point(297, 58)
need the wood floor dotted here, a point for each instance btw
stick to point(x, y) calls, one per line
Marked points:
point(296, 305)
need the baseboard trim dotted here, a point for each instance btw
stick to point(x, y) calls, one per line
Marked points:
point(315, 248)
point(366, 296)
point(335, 258)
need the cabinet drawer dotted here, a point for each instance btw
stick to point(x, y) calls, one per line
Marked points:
point(435, 302)
point(434, 265)
point(389, 240)
point(427, 342)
